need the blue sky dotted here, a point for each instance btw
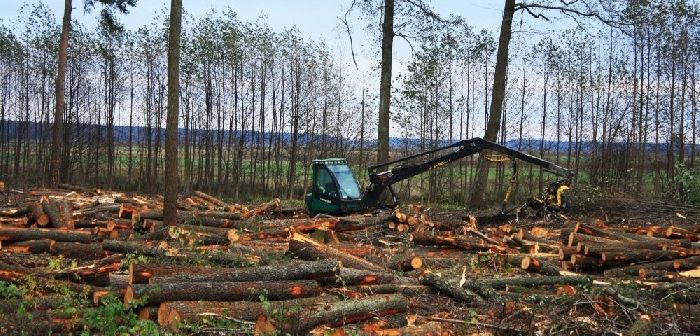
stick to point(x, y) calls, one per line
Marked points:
point(316, 19)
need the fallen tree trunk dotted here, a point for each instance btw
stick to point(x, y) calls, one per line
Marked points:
point(499, 283)
point(210, 199)
point(354, 277)
point(405, 263)
point(126, 247)
point(630, 256)
point(360, 223)
point(220, 291)
point(465, 243)
point(308, 249)
point(541, 266)
point(293, 271)
point(343, 312)
point(453, 291)
point(142, 273)
point(173, 314)
point(79, 251)
point(23, 234)
point(671, 265)
point(29, 246)
point(408, 290)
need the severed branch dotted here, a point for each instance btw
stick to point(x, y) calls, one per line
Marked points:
point(349, 32)
point(566, 10)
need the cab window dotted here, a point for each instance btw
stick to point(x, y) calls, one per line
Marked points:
point(324, 182)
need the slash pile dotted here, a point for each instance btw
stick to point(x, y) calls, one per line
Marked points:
point(270, 268)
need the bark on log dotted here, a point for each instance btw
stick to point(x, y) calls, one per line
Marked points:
point(343, 312)
point(23, 234)
point(29, 246)
point(451, 290)
point(354, 277)
point(405, 263)
point(220, 291)
point(499, 283)
point(541, 266)
point(294, 271)
point(172, 314)
point(142, 273)
point(126, 247)
point(466, 243)
point(308, 249)
point(672, 265)
point(638, 255)
point(60, 212)
point(594, 231)
point(407, 290)
point(360, 223)
point(210, 199)
point(79, 251)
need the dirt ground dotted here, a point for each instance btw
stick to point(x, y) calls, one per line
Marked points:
point(452, 272)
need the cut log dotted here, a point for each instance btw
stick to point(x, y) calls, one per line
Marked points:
point(29, 246)
point(405, 263)
point(343, 312)
point(61, 213)
point(21, 222)
point(126, 247)
point(79, 251)
point(672, 265)
point(674, 232)
point(294, 271)
point(354, 277)
point(142, 273)
point(308, 249)
point(127, 211)
point(638, 255)
point(407, 290)
point(211, 199)
point(466, 243)
point(522, 281)
point(566, 252)
point(537, 265)
point(148, 314)
point(173, 314)
point(581, 262)
point(593, 231)
point(220, 291)
point(575, 238)
point(23, 234)
point(264, 208)
point(361, 222)
point(452, 290)
point(38, 215)
point(14, 273)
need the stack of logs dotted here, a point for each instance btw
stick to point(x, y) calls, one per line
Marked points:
point(229, 261)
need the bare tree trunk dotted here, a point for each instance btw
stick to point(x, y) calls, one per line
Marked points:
point(385, 85)
point(171, 178)
point(57, 135)
point(499, 86)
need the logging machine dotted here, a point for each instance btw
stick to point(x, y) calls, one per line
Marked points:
point(335, 190)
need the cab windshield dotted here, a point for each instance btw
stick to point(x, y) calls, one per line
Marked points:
point(348, 185)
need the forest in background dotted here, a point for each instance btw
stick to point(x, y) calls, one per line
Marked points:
point(616, 104)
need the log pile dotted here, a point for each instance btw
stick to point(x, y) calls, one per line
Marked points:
point(272, 268)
